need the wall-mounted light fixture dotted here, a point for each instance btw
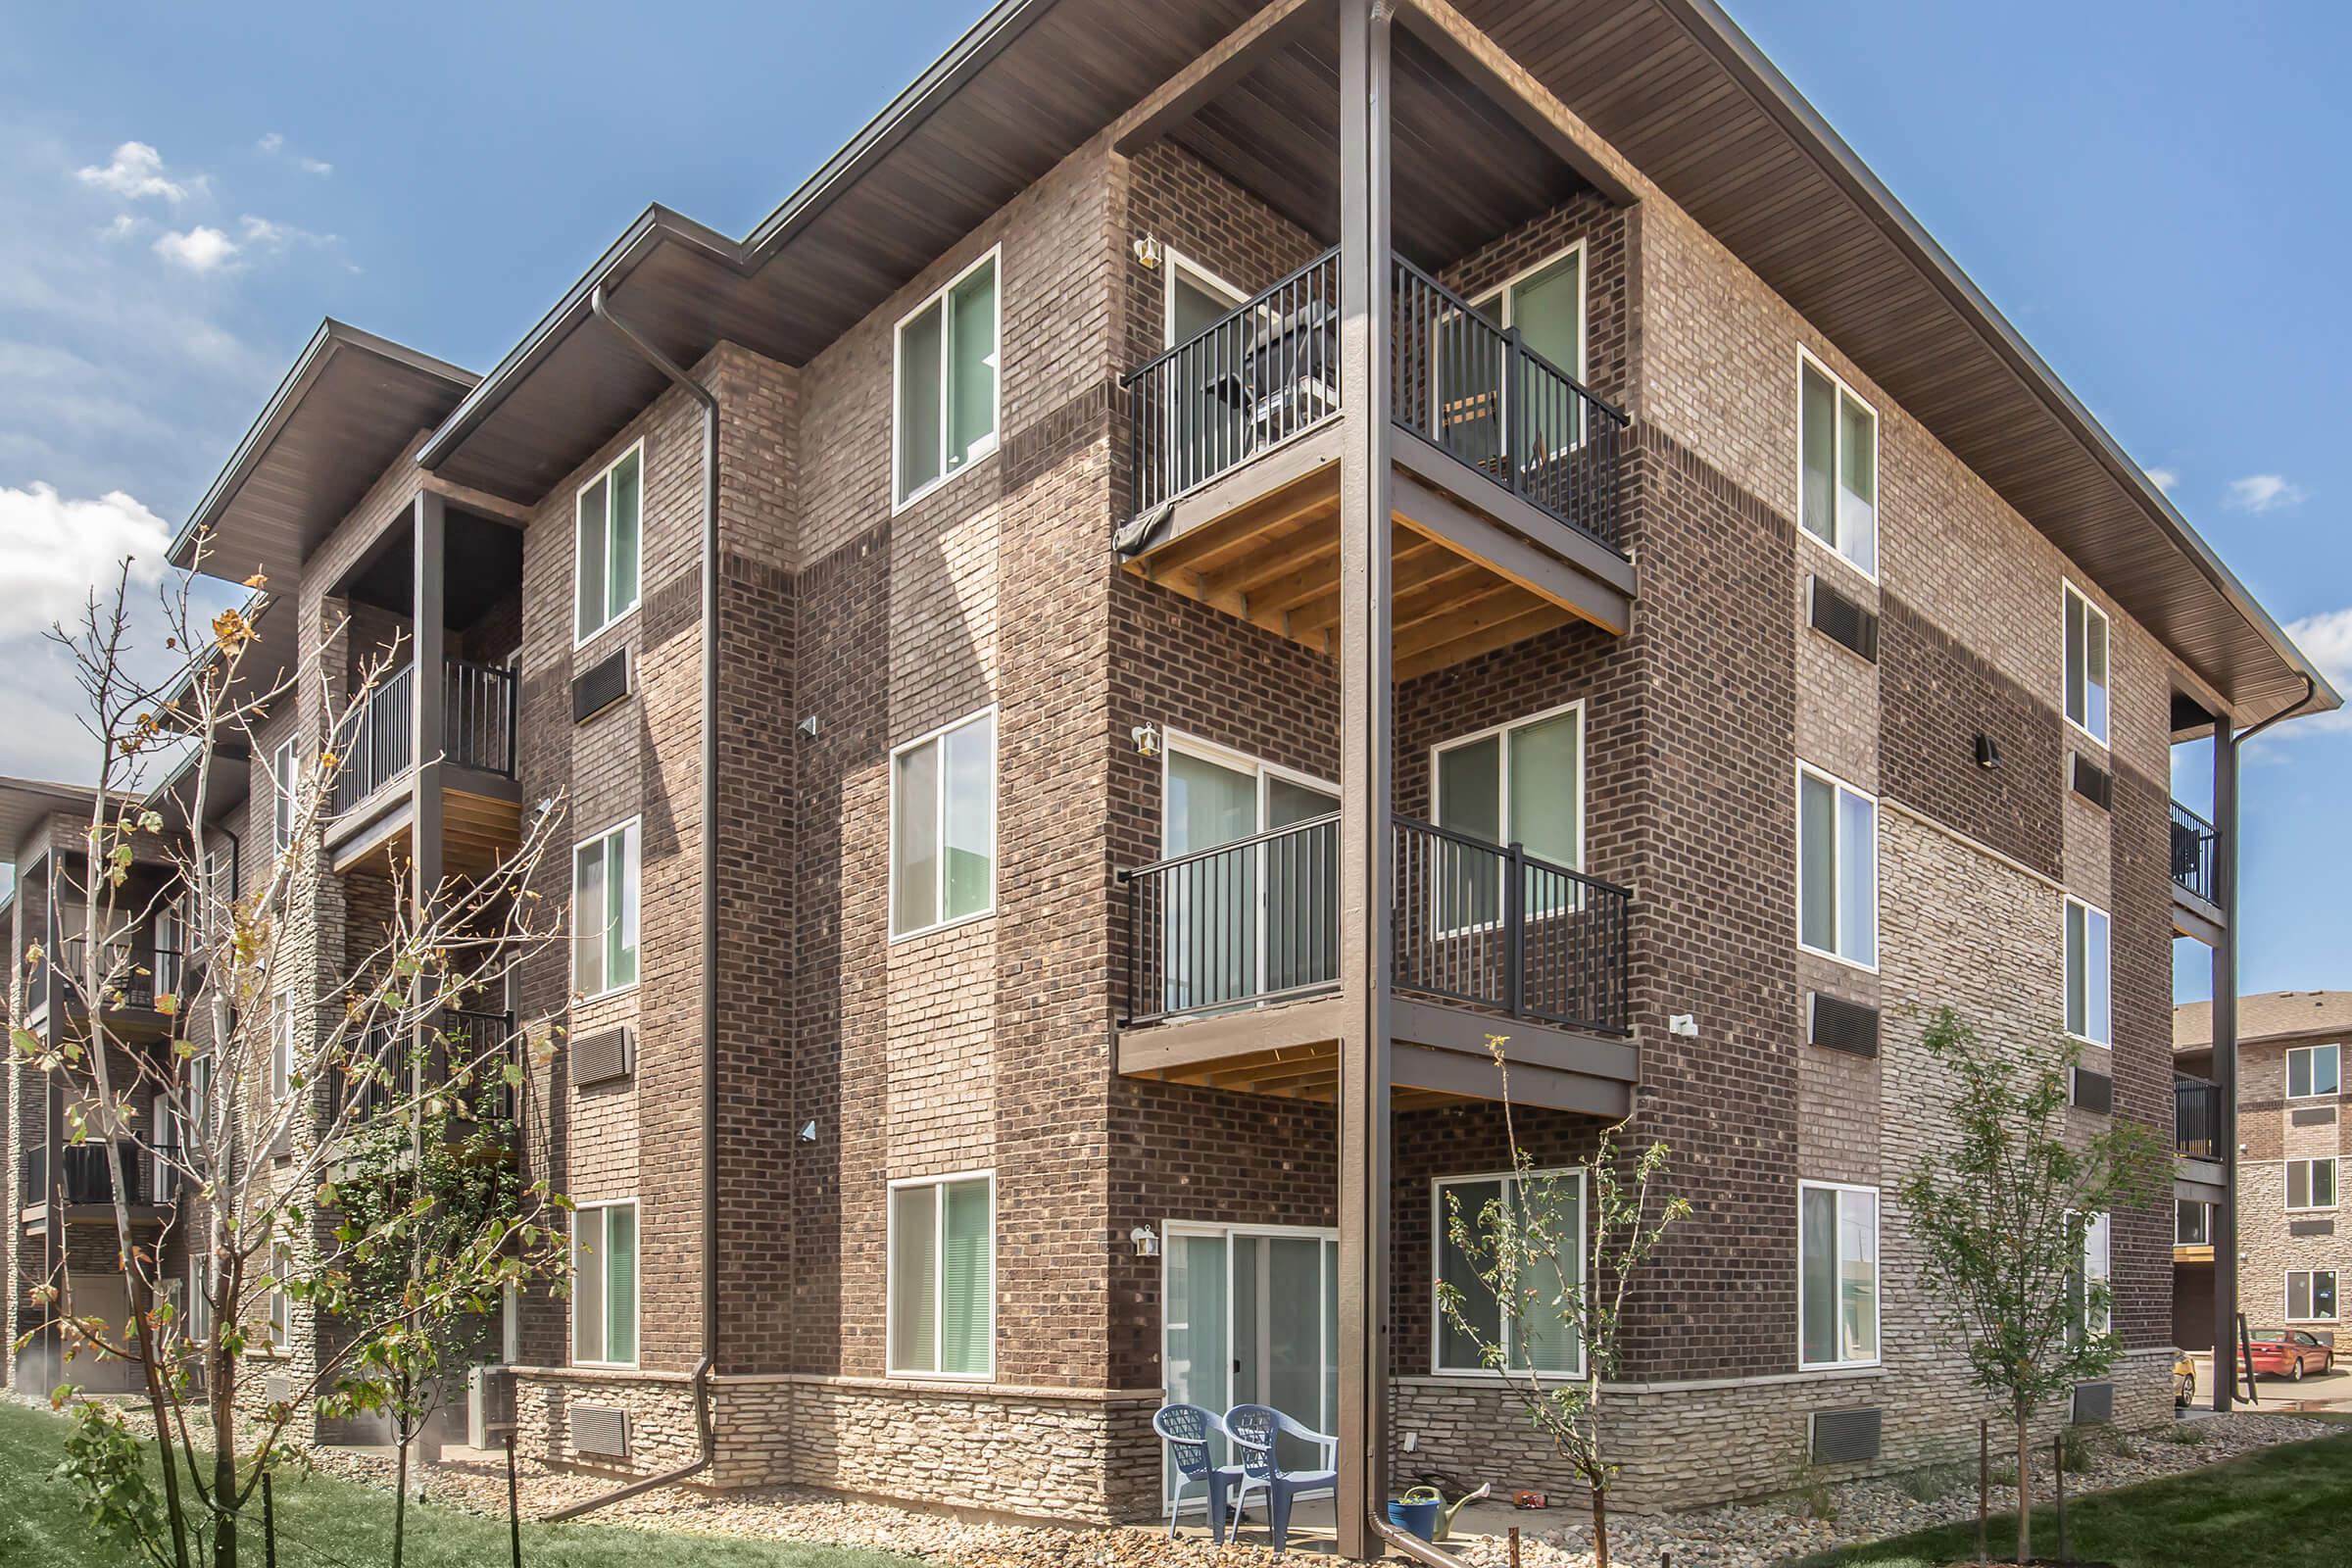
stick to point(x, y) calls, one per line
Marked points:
point(1147, 253)
point(1989, 752)
point(1146, 1240)
point(1146, 740)
point(809, 1132)
point(808, 726)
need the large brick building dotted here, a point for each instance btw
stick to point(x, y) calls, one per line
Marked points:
point(1214, 557)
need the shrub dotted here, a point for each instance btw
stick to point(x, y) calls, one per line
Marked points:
point(1933, 1482)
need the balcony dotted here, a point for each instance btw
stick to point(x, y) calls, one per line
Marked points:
point(2197, 889)
point(479, 1043)
point(371, 817)
point(1506, 517)
point(78, 1182)
point(2200, 1173)
point(1233, 970)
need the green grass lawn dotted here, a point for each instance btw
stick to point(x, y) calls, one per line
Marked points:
point(330, 1524)
point(2283, 1507)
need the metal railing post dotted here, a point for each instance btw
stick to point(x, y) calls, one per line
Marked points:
point(1514, 931)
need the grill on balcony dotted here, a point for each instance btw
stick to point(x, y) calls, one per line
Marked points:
point(2194, 840)
point(477, 729)
point(1256, 921)
point(1269, 371)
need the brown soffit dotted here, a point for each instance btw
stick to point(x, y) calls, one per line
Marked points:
point(1673, 85)
point(350, 406)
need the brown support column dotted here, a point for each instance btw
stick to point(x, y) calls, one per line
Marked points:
point(1365, 796)
point(428, 701)
point(2225, 1060)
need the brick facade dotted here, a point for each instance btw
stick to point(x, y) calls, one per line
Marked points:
point(847, 626)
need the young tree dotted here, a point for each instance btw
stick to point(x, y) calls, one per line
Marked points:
point(2002, 1215)
point(274, 1059)
point(1560, 1278)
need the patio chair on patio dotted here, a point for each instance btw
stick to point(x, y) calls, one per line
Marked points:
point(1255, 1429)
point(1187, 1429)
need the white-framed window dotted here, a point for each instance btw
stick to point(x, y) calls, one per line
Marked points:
point(2089, 998)
point(1546, 305)
point(943, 383)
point(604, 883)
point(2091, 1274)
point(609, 513)
point(1233, 922)
point(170, 940)
point(1541, 1342)
point(940, 1294)
point(2086, 666)
point(2314, 1072)
point(199, 1298)
point(2311, 1295)
point(281, 1047)
point(1517, 783)
point(2310, 1183)
point(1837, 1274)
point(1838, 868)
point(943, 826)
point(604, 1284)
point(285, 768)
point(1837, 464)
point(280, 1302)
point(2192, 1223)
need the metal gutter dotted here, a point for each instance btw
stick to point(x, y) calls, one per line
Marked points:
point(1717, 33)
point(655, 225)
point(709, 1446)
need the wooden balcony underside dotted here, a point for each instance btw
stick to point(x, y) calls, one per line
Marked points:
point(1290, 1051)
point(481, 823)
point(1261, 543)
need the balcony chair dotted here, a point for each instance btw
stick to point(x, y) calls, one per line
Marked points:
point(1187, 1429)
point(1254, 1428)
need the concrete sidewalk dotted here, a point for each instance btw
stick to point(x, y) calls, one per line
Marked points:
point(2319, 1391)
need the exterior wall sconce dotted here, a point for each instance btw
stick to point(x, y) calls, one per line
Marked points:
point(808, 726)
point(1988, 753)
point(809, 1132)
point(1146, 740)
point(1147, 253)
point(1147, 1242)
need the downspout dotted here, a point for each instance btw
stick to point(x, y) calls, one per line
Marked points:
point(707, 1444)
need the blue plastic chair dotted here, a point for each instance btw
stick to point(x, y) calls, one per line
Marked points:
point(1187, 1429)
point(1254, 1428)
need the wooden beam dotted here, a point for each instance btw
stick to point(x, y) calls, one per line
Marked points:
point(1501, 634)
point(1580, 575)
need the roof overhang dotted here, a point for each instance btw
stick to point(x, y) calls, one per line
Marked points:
point(344, 414)
point(24, 802)
point(1674, 85)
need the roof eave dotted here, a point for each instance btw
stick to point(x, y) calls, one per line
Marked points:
point(1737, 53)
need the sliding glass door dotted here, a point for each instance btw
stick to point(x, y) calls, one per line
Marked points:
point(1251, 1316)
point(1256, 919)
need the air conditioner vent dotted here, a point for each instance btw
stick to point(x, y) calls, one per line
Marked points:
point(2093, 782)
point(1842, 621)
point(1836, 1024)
point(1845, 1436)
point(601, 1058)
point(2094, 1402)
point(601, 1431)
point(599, 686)
point(2094, 1090)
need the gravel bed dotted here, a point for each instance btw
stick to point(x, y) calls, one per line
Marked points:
point(1752, 1534)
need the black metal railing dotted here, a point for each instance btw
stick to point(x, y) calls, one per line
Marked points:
point(2194, 840)
point(1474, 388)
point(1256, 920)
point(1254, 378)
point(150, 1177)
point(1250, 922)
point(127, 990)
point(2196, 1118)
point(1495, 927)
point(380, 746)
point(477, 728)
point(479, 1044)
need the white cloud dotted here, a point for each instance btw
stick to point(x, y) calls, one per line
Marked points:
point(137, 170)
point(2165, 479)
point(274, 145)
point(53, 551)
point(200, 250)
point(2326, 640)
point(2264, 492)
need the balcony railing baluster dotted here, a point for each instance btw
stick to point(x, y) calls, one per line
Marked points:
point(2194, 842)
point(477, 726)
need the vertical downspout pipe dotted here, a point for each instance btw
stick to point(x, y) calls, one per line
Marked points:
point(701, 394)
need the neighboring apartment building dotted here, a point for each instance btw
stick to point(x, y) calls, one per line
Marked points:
point(2290, 1148)
point(1134, 643)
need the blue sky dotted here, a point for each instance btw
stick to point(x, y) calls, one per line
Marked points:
point(2155, 200)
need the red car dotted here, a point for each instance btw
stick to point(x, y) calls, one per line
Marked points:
point(2289, 1353)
